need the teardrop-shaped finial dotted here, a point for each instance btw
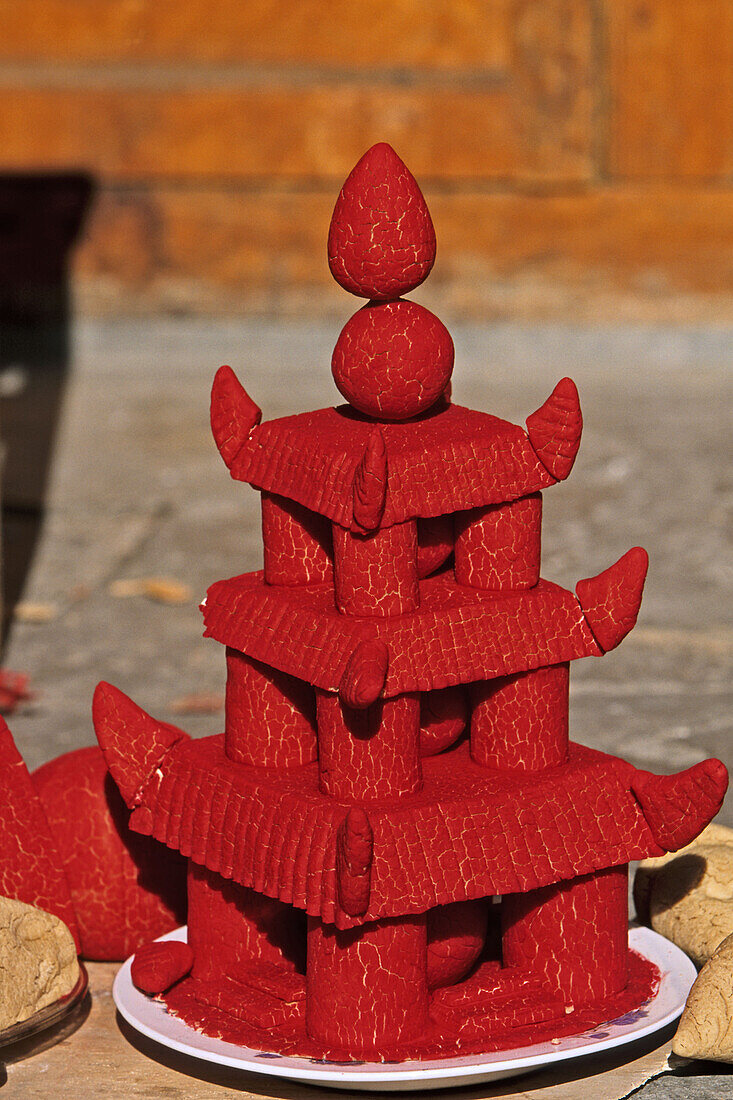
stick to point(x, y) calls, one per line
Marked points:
point(381, 243)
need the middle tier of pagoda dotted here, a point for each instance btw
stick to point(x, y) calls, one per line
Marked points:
point(469, 832)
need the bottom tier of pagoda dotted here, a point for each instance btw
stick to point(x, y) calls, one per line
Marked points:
point(484, 908)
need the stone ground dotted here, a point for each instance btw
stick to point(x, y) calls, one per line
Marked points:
point(137, 490)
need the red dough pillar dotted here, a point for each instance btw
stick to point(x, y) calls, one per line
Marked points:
point(232, 928)
point(270, 716)
point(376, 573)
point(520, 722)
point(571, 934)
point(296, 543)
point(498, 548)
point(367, 988)
point(369, 754)
point(369, 748)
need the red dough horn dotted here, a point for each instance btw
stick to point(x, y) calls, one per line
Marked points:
point(233, 414)
point(364, 675)
point(381, 243)
point(354, 850)
point(555, 428)
point(677, 807)
point(133, 743)
point(611, 601)
point(370, 484)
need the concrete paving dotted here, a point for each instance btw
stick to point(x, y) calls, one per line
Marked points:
point(137, 489)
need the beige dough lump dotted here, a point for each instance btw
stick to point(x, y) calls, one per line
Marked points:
point(691, 901)
point(647, 869)
point(38, 961)
point(706, 1027)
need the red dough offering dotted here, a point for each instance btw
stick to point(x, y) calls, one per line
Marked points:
point(393, 359)
point(381, 243)
point(31, 869)
point(394, 849)
point(126, 889)
point(157, 966)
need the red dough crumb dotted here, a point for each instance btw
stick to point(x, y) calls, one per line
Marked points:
point(158, 966)
point(381, 243)
point(393, 360)
point(13, 689)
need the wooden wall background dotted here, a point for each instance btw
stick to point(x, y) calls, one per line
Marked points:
point(577, 155)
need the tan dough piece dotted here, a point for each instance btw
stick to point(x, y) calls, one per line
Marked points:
point(38, 961)
point(706, 1027)
point(692, 900)
point(647, 869)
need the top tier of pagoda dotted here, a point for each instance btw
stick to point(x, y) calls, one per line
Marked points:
point(399, 450)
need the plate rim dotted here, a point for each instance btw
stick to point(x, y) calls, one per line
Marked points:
point(48, 1016)
point(677, 966)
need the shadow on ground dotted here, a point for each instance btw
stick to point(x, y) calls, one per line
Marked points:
point(41, 216)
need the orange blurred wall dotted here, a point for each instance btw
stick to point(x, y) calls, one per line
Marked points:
point(576, 154)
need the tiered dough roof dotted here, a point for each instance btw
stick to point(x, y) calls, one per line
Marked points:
point(468, 832)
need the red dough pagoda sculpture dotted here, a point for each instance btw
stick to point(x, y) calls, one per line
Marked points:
point(393, 849)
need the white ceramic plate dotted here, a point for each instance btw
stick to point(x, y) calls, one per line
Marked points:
point(152, 1019)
